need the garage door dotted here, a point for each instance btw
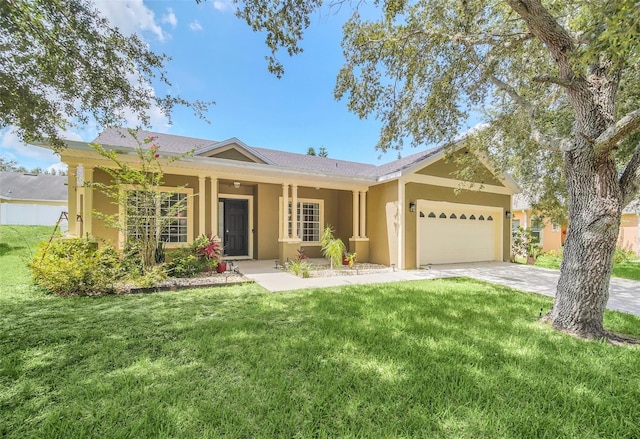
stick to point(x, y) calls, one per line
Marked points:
point(458, 234)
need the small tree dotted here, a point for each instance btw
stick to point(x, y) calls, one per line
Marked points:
point(332, 248)
point(135, 189)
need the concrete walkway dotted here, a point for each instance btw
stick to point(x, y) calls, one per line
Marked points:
point(624, 295)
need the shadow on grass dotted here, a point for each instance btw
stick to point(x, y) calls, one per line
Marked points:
point(6, 249)
point(429, 358)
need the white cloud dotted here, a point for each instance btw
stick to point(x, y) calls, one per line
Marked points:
point(195, 26)
point(58, 167)
point(130, 16)
point(170, 17)
point(223, 5)
point(12, 148)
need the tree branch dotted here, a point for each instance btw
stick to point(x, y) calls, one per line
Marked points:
point(615, 133)
point(555, 80)
point(630, 179)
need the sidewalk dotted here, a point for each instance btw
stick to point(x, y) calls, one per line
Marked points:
point(624, 295)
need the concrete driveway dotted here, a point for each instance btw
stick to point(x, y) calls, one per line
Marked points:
point(624, 295)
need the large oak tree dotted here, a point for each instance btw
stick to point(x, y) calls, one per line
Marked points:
point(62, 63)
point(558, 80)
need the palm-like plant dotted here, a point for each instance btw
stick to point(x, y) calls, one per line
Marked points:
point(332, 248)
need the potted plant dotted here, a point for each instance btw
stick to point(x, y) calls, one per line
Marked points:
point(350, 259)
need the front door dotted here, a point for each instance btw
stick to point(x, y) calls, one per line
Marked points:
point(236, 230)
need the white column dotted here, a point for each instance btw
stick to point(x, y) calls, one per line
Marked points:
point(363, 214)
point(285, 211)
point(294, 211)
point(72, 199)
point(356, 214)
point(202, 229)
point(87, 214)
point(214, 206)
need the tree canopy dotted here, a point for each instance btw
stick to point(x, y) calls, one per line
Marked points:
point(556, 83)
point(62, 63)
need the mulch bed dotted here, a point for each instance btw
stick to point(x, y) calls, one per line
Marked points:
point(204, 280)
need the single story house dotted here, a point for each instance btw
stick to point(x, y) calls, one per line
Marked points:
point(407, 213)
point(32, 199)
point(552, 236)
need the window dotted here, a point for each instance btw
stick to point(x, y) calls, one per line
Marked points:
point(555, 227)
point(514, 225)
point(309, 224)
point(536, 228)
point(165, 214)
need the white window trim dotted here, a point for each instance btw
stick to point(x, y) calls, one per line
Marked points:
point(555, 228)
point(122, 238)
point(302, 200)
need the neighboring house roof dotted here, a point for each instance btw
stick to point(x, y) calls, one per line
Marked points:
point(19, 186)
point(633, 207)
point(119, 137)
point(521, 202)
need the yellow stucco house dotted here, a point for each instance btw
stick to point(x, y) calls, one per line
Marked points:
point(552, 236)
point(406, 213)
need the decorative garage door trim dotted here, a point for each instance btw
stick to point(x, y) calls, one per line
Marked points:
point(455, 233)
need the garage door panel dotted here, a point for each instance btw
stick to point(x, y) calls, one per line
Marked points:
point(454, 239)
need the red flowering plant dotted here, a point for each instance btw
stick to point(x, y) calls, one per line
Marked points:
point(209, 247)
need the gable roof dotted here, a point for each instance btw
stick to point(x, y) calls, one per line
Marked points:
point(19, 186)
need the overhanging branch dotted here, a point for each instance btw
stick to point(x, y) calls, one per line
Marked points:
point(567, 83)
point(614, 134)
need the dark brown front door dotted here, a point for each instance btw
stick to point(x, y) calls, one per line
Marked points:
point(236, 230)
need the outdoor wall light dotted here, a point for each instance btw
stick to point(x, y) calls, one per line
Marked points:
point(236, 184)
point(507, 214)
point(412, 207)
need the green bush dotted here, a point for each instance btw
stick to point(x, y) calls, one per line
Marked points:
point(76, 266)
point(185, 263)
point(622, 255)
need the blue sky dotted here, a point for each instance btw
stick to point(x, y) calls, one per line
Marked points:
point(216, 56)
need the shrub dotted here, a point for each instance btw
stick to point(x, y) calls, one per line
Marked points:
point(76, 266)
point(185, 263)
point(332, 248)
point(622, 255)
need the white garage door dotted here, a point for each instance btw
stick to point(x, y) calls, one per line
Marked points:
point(458, 234)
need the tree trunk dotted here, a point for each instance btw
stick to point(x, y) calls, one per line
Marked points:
point(594, 220)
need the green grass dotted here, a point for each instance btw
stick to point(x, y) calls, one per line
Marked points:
point(443, 358)
point(625, 270)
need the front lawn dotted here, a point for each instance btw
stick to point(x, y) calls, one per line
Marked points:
point(442, 358)
point(625, 270)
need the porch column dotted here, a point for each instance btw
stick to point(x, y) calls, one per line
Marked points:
point(284, 233)
point(294, 211)
point(356, 215)
point(72, 200)
point(363, 214)
point(214, 206)
point(201, 205)
point(87, 214)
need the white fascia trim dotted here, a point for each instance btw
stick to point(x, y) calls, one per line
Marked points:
point(452, 183)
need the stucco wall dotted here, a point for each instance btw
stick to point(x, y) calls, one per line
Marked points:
point(266, 221)
point(628, 236)
point(381, 229)
point(446, 168)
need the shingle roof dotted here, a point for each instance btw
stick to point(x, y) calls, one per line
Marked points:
point(181, 144)
point(168, 142)
point(19, 186)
